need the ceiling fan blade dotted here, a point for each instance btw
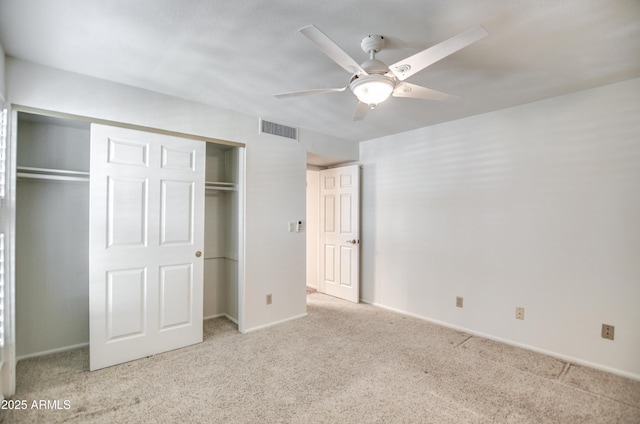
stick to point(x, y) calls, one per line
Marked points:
point(405, 89)
point(308, 92)
point(416, 63)
point(331, 49)
point(361, 111)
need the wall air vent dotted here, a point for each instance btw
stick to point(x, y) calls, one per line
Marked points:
point(268, 127)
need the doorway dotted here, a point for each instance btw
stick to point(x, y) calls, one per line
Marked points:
point(333, 229)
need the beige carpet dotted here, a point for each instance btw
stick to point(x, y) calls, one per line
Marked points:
point(344, 363)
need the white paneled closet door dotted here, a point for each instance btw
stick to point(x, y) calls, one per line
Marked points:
point(146, 239)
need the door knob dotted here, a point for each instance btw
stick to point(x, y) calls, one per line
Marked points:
point(198, 254)
point(354, 241)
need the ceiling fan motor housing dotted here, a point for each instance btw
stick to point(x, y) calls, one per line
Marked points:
point(374, 66)
point(372, 43)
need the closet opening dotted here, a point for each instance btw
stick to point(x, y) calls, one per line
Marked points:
point(52, 235)
point(52, 157)
point(221, 248)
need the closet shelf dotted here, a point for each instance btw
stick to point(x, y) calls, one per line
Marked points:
point(218, 185)
point(52, 174)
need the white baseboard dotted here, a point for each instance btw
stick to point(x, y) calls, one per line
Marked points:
point(52, 351)
point(230, 318)
point(560, 356)
point(271, 324)
point(81, 345)
point(227, 316)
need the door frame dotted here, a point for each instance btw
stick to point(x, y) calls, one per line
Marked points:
point(313, 231)
point(8, 212)
point(7, 218)
point(318, 236)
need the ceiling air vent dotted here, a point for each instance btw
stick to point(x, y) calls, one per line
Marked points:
point(268, 127)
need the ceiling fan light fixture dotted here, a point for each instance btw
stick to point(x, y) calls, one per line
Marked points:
point(372, 89)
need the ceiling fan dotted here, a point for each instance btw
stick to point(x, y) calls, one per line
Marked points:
point(372, 82)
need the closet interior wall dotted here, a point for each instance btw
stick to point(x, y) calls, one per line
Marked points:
point(52, 234)
point(221, 229)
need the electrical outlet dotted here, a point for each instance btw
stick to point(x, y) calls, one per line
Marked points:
point(607, 331)
point(519, 312)
point(269, 299)
point(459, 302)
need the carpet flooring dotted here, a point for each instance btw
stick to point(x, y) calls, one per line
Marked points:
point(343, 363)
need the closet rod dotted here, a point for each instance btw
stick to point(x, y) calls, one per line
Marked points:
point(220, 188)
point(51, 174)
point(216, 185)
point(51, 177)
point(220, 183)
point(51, 171)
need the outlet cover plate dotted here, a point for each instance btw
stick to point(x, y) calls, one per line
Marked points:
point(608, 331)
point(519, 312)
point(459, 301)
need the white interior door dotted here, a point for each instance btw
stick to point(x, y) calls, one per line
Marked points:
point(146, 235)
point(340, 232)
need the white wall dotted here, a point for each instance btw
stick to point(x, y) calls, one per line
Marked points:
point(275, 171)
point(535, 206)
point(313, 226)
point(2, 73)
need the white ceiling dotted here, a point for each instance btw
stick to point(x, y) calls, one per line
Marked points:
point(237, 54)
